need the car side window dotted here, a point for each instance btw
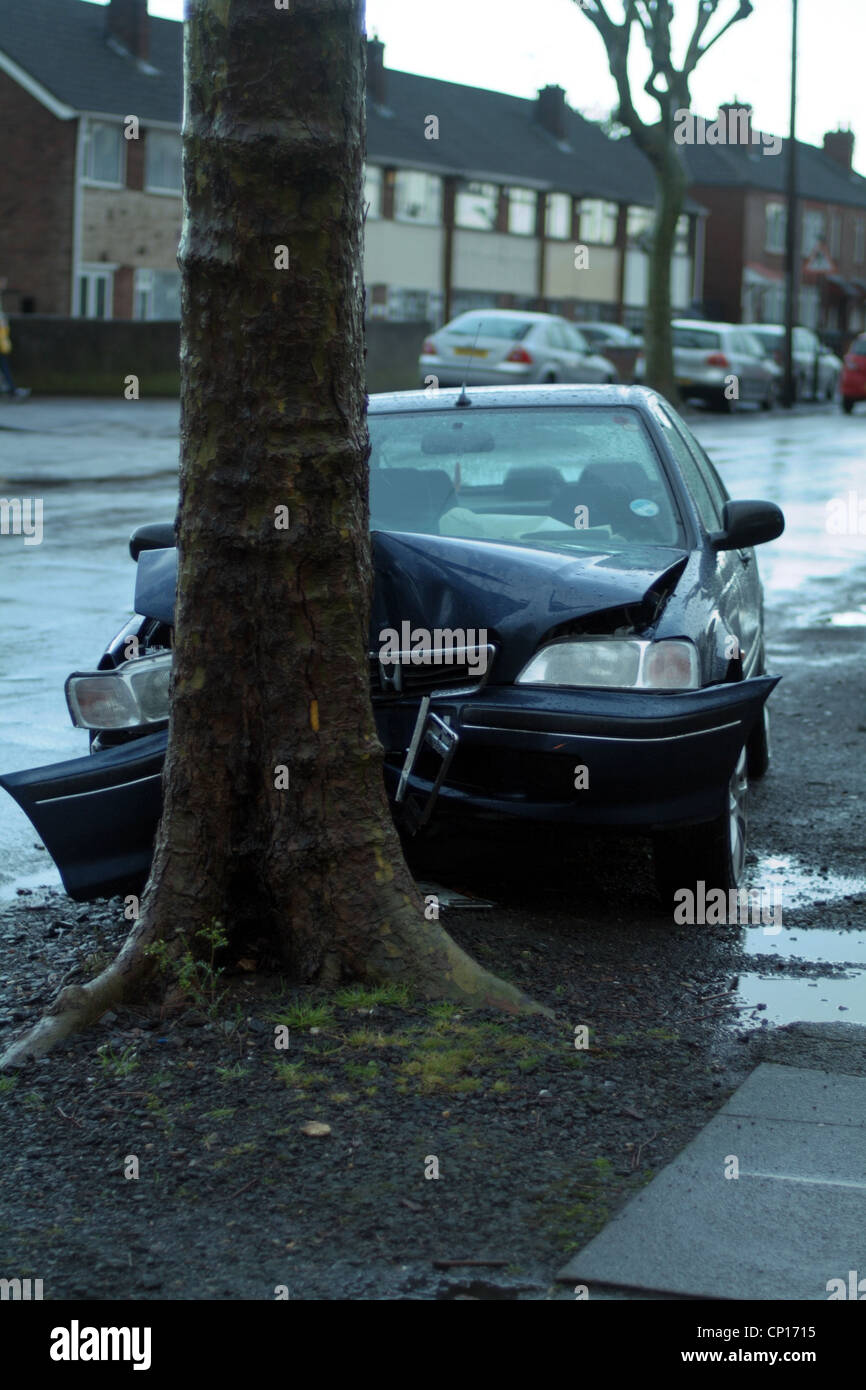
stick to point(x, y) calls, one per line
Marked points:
point(693, 475)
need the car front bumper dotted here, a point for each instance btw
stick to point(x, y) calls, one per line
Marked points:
point(651, 760)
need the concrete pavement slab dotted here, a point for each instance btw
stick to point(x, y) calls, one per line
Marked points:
point(793, 1219)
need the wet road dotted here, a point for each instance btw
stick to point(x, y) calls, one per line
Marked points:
point(101, 468)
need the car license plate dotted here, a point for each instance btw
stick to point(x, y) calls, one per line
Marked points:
point(470, 352)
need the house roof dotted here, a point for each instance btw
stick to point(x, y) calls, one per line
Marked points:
point(819, 178)
point(61, 45)
point(495, 134)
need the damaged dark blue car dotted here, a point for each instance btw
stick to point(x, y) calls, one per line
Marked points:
point(566, 626)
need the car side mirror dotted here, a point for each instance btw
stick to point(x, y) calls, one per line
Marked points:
point(745, 524)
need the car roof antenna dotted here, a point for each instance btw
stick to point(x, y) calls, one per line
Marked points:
point(462, 399)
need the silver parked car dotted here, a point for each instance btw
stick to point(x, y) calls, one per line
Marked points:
point(810, 357)
point(707, 358)
point(508, 347)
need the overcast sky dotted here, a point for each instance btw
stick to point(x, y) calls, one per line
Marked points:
point(520, 45)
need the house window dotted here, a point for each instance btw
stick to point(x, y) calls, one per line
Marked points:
point(417, 197)
point(597, 221)
point(835, 234)
point(681, 236)
point(162, 161)
point(860, 240)
point(814, 230)
point(103, 157)
point(777, 221)
point(157, 294)
point(522, 204)
point(639, 228)
point(476, 206)
point(95, 293)
point(414, 306)
point(558, 221)
point(373, 191)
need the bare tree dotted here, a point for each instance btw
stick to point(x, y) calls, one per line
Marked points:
point(275, 815)
point(669, 86)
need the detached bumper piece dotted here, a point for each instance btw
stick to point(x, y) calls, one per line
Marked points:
point(97, 816)
point(432, 736)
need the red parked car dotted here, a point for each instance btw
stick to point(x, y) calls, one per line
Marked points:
point(853, 383)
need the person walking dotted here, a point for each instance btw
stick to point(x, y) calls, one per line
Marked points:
point(16, 392)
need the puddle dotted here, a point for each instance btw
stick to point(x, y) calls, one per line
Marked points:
point(855, 618)
point(808, 943)
point(785, 879)
point(779, 1001)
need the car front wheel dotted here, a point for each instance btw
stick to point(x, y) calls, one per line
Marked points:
point(714, 854)
point(847, 404)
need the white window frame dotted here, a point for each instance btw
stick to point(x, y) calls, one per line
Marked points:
point(524, 200)
point(163, 189)
point(92, 274)
point(430, 198)
point(814, 232)
point(87, 151)
point(598, 216)
point(374, 186)
point(775, 227)
point(478, 189)
point(562, 201)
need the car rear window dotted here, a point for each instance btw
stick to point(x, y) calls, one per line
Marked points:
point(700, 339)
point(550, 478)
point(490, 328)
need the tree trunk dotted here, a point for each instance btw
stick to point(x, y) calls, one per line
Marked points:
point(275, 819)
point(658, 335)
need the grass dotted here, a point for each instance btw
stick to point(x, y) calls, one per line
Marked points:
point(236, 1072)
point(7, 1084)
point(304, 1015)
point(359, 997)
point(117, 1065)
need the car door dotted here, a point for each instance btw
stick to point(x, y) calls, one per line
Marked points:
point(736, 581)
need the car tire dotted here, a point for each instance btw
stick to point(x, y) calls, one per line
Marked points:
point(769, 401)
point(549, 379)
point(714, 854)
point(847, 404)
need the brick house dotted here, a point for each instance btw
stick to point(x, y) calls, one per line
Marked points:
point(473, 197)
point(744, 191)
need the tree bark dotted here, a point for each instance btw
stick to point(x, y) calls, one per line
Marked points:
point(275, 819)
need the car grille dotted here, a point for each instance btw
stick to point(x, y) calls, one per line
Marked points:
point(407, 681)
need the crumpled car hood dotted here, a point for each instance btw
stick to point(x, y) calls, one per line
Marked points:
point(515, 593)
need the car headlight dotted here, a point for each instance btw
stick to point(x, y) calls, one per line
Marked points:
point(615, 663)
point(135, 694)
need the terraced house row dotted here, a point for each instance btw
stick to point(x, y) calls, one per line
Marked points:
point(473, 198)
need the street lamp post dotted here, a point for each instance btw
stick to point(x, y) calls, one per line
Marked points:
point(791, 277)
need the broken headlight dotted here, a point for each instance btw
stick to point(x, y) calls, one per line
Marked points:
point(133, 695)
point(614, 663)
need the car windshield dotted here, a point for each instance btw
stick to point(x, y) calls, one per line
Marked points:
point(571, 479)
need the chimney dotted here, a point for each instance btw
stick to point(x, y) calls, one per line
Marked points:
point(376, 71)
point(126, 22)
point(735, 117)
point(839, 145)
point(550, 111)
